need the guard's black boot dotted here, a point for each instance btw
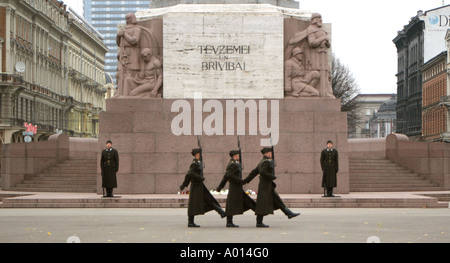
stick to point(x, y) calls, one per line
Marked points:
point(191, 222)
point(109, 192)
point(259, 222)
point(220, 211)
point(330, 192)
point(230, 222)
point(289, 213)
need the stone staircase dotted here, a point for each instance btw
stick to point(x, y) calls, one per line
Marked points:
point(74, 175)
point(89, 200)
point(442, 197)
point(381, 175)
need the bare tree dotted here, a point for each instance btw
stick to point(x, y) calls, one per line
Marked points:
point(344, 84)
point(345, 88)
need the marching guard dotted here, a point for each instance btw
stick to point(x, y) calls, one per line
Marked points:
point(268, 199)
point(201, 200)
point(238, 201)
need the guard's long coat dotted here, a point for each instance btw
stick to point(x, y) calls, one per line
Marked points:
point(237, 200)
point(268, 199)
point(201, 200)
point(329, 161)
point(109, 164)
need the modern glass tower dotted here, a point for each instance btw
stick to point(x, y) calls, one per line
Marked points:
point(105, 15)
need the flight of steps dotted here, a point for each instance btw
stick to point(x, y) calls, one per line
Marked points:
point(73, 175)
point(47, 200)
point(381, 175)
point(442, 197)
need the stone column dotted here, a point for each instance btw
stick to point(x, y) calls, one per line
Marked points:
point(12, 28)
point(1, 54)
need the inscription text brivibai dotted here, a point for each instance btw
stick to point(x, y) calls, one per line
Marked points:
point(223, 53)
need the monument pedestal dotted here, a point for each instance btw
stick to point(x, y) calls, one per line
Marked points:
point(154, 161)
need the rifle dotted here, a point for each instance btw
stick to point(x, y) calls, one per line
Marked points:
point(201, 154)
point(273, 156)
point(241, 164)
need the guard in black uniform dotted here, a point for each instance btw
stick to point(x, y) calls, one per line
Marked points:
point(201, 200)
point(237, 200)
point(109, 164)
point(268, 199)
point(329, 160)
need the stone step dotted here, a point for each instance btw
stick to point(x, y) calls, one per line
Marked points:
point(394, 185)
point(378, 174)
point(55, 183)
point(183, 202)
point(413, 180)
point(378, 169)
point(440, 197)
point(374, 175)
point(54, 170)
point(162, 205)
point(59, 179)
point(56, 186)
point(89, 174)
point(81, 161)
point(74, 175)
point(396, 189)
point(75, 166)
point(68, 175)
point(374, 164)
point(380, 160)
point(4, 195)
point(389, 173)
point(370, 163)
point(50, 189)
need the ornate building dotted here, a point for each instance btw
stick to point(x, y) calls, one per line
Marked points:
point(384, 121)
point(434, 111)
point(419, 42)
point(410, 48)
point(51, 71)
point(365, 109)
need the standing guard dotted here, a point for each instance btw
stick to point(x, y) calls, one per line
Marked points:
point(201, 200)
point(329, 161)
point(237, 200)
point(268, 199)
point(109, 164)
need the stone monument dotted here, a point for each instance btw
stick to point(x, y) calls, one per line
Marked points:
point(220, 71)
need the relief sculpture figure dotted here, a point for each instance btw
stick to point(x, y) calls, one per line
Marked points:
point(148, 82)
point(298, 81)
point(134, 68)
point(315, 43)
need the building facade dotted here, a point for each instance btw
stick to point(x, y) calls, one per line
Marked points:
point(410, 47)
point(417, 43)
point(364, 109)
point(282, 3)
point(105, 16)
point(87, 88)
point(384, 121)
point(40, 52)
point(434, 113)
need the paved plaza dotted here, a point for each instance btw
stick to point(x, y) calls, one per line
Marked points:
point(355, 225)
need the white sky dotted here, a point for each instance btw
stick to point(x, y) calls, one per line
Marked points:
point(362, 35)
point(76, 5)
